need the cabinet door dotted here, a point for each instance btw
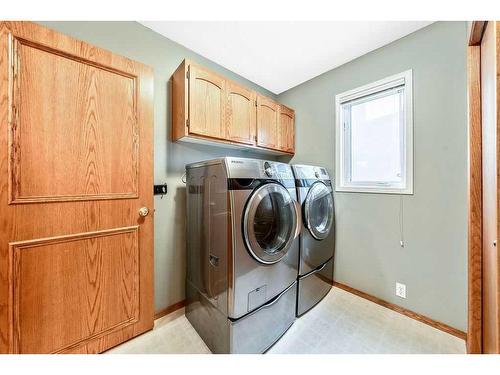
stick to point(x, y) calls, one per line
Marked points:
point(267, 123)
point(287, 129)
point(76, 258)
point(241, 114)
point(206, 103)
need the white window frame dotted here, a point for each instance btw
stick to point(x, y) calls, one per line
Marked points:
point(403, 79)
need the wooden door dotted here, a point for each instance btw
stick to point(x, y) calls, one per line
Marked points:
point(287, 129)
point(490, 91)
point(267, 123)
point(241, 114)
point(76, 259)
point(207, 103)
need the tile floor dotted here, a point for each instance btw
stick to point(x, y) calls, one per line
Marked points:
point(340, 323)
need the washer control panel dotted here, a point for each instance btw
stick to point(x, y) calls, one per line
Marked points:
point(254, 168)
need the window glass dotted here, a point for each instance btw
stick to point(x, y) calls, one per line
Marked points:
point(376, 129)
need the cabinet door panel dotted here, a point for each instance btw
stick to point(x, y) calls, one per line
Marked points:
point(206, 103)
point(267, 123)
point(287, 129)
point(241, 114)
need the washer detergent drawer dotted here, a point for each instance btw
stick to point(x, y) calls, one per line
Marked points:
point(314, 286)
point(258, 330)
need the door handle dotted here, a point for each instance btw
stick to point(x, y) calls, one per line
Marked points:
point(298, 227)
point(269, 303)
point(316, 270)
point(143, 211)
point(214, 260)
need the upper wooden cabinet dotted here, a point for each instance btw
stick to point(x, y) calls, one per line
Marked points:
point(286, 128)
point(210, 108)
point(240, 121)
point(207, 103)
point(267, 123)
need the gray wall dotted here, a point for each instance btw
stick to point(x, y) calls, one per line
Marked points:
point(368, 255)
point(137, 42)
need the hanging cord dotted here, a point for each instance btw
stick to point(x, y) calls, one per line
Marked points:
point(401, 220)
point(183, 177)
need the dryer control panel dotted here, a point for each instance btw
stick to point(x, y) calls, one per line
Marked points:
point(310, 172)
point(283, 171)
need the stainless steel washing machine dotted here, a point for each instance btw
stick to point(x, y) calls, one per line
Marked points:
point(243, 222)
point(317, 237)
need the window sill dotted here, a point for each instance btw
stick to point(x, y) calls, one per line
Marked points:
point(373, 190)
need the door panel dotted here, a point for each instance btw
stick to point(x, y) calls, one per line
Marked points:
point(93, 161)
point(76, 259)
point(206, 103)
point(287, 129)
point(91, 277)
point(241, 121)
point(267, 123)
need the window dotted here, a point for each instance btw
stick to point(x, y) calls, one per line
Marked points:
point(374, 137)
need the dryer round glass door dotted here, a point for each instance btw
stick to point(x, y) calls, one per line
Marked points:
point(318, 210)
point(270, 223)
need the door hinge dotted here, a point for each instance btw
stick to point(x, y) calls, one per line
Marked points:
point(256, 103)
point(187, 123)
point(187, 74)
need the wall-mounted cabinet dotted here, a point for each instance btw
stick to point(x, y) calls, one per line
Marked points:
point(286, 129)
point(267, 123)
point(207, 103)
point(240, 122)
point(209, 108)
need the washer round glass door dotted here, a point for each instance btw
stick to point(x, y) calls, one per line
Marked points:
point(270, 223)
point(318, 210)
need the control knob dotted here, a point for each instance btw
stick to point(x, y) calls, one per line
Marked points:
point(268, 169)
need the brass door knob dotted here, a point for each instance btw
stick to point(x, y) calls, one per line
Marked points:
point(143, 211)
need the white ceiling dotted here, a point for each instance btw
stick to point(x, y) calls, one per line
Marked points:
point(280, 55)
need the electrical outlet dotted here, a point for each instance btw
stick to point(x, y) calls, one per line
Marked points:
point(160, 189)
point(401, 290)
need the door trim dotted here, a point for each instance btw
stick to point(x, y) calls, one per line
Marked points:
point(475, 227)
point(475, 344)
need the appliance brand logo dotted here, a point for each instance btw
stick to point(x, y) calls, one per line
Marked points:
point(237, 161)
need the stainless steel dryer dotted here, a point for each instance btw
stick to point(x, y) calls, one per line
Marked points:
point(243, 222)
point(317, 238)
